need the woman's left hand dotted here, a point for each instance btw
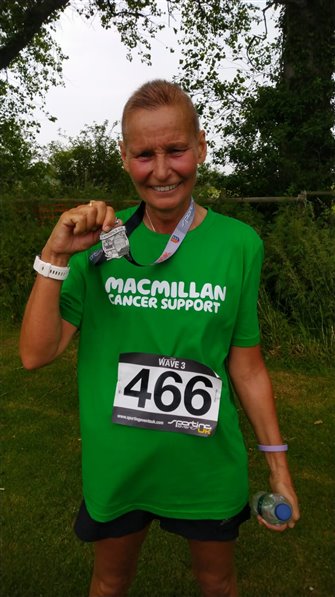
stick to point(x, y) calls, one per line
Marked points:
point(283, 486)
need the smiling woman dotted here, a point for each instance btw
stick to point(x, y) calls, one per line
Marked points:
point(160, 443)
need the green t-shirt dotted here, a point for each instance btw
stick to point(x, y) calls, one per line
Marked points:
point(194, 306)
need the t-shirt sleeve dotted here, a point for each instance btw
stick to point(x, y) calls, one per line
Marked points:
point(246, 329)
point(73, 290)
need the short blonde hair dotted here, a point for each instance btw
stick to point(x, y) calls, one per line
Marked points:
point(155, 94)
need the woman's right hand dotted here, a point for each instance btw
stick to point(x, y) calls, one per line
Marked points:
point(78, 229)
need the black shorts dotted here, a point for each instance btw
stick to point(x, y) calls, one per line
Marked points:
point(88, 529)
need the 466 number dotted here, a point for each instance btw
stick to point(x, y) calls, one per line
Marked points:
point(161, 387)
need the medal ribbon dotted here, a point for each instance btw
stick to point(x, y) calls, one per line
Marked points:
point(172, 245)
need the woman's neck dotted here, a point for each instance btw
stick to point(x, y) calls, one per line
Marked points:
point(167, 225)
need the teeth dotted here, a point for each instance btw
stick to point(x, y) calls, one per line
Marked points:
point(169, 187)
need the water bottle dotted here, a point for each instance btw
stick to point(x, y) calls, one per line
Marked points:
point(273, 507)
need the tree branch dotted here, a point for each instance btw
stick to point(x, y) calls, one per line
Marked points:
point(300, 3)
point(34, 18)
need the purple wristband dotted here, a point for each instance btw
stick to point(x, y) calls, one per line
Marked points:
point(278, 448)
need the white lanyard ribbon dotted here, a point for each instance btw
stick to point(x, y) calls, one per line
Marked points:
point(115, 244)
point(178, 234)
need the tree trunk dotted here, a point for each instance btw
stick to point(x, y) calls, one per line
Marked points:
point(33, 19)
point(307, 67)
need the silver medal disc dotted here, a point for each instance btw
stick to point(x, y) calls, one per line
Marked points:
point(115, 243)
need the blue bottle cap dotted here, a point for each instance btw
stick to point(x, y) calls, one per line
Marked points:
point(283, 512)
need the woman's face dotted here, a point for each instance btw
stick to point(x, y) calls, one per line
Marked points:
point(161, 153)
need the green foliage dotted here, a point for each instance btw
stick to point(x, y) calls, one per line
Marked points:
point(272, 120)
point(299, 271)
point(22, 237)
point(29, 64)
point(90, 161)
point(30, 58)
point(297, 294)
point(283, 141)
point(87, 166)
point(208, 31)
point(16, 153)
point(224, 71)
point(23, 172)
point(282, 138)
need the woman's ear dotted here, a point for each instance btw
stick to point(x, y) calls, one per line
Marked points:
point(123, 152)
point(202, 147)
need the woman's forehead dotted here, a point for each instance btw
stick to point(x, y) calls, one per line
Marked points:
point(168, 123)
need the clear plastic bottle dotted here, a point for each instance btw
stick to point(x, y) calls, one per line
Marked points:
point(273, 507)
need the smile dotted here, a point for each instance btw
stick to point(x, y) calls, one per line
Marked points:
point(166, 188)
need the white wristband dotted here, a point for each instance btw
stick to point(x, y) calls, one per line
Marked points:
point(50, 271)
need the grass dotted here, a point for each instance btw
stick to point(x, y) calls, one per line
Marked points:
point(41, 491)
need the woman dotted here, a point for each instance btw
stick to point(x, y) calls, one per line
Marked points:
point(165, 331)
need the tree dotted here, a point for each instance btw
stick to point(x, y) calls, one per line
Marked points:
point(16, 154)
point(280, 137)
point(223, 72)
point(272, 120)
point(305, 86)
point(90, 160)
point(31, 61)
point(29, 21)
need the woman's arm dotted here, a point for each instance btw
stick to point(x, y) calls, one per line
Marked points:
point(253, 387)
point(44, 334)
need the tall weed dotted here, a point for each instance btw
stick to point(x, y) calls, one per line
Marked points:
point(297, 294)
point(22, 237)
point(299, 270)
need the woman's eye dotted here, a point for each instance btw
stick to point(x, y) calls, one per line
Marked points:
point(177, 151)
point(145, 155)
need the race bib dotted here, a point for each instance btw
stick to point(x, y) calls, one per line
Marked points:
point(166, 394)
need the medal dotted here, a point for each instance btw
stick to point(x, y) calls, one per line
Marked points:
point(115, 243)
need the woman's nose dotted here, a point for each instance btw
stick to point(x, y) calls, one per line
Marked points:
point(161, 167)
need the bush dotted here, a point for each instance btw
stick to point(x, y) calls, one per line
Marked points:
point(297, 294)
point(22, 237)
point(299, 270)
point(25, 227)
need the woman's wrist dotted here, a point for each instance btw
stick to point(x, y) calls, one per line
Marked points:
point(272, 447)
point(58, 259)
point(277, 463)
